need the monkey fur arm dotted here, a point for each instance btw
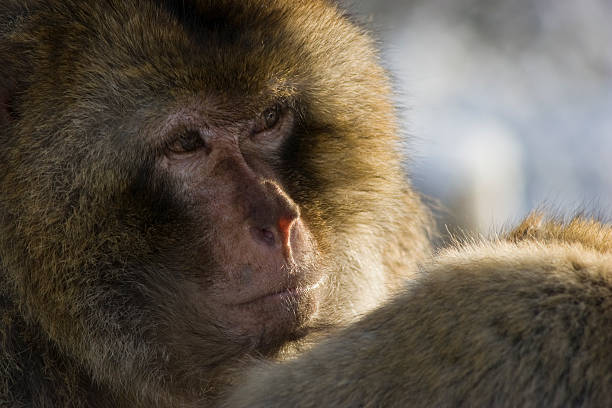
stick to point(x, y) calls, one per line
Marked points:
point(519, 322)
point(185, 185)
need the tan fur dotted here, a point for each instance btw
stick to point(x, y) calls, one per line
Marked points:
point(90, 314)
point(580, 230)
point(523, 321)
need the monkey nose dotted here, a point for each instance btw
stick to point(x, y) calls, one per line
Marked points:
point(279, 234)
point(284, 230)
point(263, 235)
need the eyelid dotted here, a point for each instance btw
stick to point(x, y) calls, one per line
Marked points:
point(188, 137)
point(271, 122)
point(261, 124)
point(278, 133)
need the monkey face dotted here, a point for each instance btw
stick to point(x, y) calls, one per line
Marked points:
point(250, 252)
point(185, 183)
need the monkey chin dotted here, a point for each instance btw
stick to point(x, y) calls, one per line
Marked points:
point(275, 317)
point(264, 294)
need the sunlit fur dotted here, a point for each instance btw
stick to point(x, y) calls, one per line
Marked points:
point(87, 295)
point(523, 320)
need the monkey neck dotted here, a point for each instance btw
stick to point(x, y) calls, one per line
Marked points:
point(37, 371)
point(31, 366)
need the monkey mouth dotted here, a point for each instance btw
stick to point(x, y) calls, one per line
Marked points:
point(284, 295)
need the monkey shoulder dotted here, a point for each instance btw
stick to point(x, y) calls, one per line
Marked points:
point(519, 321)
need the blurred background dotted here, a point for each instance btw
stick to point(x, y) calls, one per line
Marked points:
point(507, 104)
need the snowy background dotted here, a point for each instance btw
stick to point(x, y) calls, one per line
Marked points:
point(507, 103)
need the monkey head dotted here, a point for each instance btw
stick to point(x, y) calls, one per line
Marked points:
point(187, 183)
point(251, 258)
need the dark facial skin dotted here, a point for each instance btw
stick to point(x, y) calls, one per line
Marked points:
point(266, 279)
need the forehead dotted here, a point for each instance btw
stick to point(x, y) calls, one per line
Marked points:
point(219, 47)
point(140, 56)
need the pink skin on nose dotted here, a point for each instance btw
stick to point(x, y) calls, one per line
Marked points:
point(284, 230)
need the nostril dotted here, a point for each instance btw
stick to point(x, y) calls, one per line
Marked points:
point(267, 235)
point(263, 235)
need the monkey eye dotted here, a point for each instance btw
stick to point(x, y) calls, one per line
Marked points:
point(271, 117)
point(268, 119)
point(272, 127)
point(187, 142)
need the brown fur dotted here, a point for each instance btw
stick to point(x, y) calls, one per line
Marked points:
point(524, 321)
point(88, 290)
point(581, 230)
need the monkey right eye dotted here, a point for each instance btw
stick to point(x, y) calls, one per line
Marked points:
point(187, 142)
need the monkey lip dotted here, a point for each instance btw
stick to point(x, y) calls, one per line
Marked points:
point(282, 295)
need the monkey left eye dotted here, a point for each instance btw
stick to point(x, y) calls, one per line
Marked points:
point(271, 117)
point(272, 127)
point(268, 119)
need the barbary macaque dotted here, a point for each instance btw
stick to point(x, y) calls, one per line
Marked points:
point(190, 187)
point(523, 321)
point(185, 185)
